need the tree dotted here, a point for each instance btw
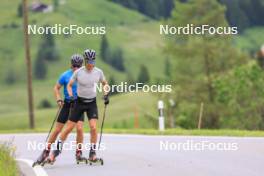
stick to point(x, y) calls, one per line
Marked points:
point(235, 15)
point(244, 14)
point(40, 68)
point(130, 79)
point(241, 96)
point(10, 77)
point(199, 58)
point(48, 47)
point(117, 60)
point(152, 8)
point(20, 10)
point(143, 76)
point(111, 83)
point(104, 48)
point(56, 4)
point(168, 6)
point(113, 57)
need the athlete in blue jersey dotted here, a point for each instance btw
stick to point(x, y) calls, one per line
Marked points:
point(65, 106)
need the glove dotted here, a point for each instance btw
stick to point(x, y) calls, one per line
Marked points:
point(106, 100)
point(60, 103)
point(71, 100)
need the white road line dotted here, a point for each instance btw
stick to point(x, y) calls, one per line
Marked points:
point(38, 170)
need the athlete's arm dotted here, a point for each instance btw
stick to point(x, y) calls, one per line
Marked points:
point(69, 87)
point(56, 89)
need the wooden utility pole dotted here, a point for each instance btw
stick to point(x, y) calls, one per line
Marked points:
point(28, 65)
point(200, 116)
point(136, 121)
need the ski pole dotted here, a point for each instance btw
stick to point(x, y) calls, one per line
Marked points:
point(57, 114)
point(102, 126)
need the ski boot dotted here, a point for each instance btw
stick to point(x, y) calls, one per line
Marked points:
point(55, 153)
point(44, 155)
point(80, 158)
point(93, 159)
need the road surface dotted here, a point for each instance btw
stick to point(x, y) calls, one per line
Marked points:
point(132, 155)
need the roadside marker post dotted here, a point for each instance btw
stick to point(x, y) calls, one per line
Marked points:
point(161, 115)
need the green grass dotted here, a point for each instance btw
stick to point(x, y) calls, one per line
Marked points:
point(120, 112)
point(171, 132)
point(8, 165)
point(184, 132)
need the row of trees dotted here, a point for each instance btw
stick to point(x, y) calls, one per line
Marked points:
point(244, 13)
point(240, 13)
point(153, 8)
point(209, 70)
point(47, 52)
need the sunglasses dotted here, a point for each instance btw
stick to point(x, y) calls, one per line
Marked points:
point(90, 61)
point(76, 66)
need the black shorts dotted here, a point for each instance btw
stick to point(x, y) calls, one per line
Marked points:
point(84, 105)
point(64, 113)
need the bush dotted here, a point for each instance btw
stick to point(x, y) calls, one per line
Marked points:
point(10, 77)
point(8, 165)
point(44, 104)
point(143, 76)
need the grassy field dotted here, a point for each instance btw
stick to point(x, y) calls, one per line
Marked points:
point(251, 40)
point(170, 132)
point(136, 34)
point(184, 132)
point(120, 112)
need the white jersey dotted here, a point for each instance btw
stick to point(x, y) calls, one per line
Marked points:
point(87, 81)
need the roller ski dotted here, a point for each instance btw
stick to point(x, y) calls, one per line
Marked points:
point(97, 161)
point(80, 158)
point(44, 155)
point(93, 160)
point(55, 153)
point(48, 161)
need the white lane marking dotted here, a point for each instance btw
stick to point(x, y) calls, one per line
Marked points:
point(38, 170)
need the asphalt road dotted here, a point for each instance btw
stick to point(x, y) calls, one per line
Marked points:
point(132, 155)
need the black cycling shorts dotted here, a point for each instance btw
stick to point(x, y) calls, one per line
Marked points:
point(84, 105)
point(64, 113)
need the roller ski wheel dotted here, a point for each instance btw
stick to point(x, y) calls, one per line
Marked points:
point(44, 155)
point(35, 164)
point(48, 161)
point(80, 158)
point(96, 161)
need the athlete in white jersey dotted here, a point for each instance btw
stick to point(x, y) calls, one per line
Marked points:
point(87, 78)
